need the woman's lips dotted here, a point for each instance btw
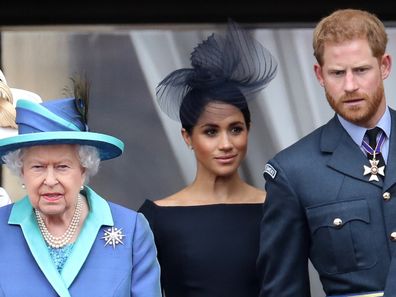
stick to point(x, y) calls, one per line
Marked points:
point(226, 159)
point(52, 197)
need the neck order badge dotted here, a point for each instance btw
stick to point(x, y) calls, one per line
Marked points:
point(375, 169)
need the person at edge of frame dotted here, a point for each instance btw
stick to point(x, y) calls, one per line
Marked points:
point(331, 195)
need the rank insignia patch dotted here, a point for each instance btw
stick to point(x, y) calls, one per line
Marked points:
point(270, 170)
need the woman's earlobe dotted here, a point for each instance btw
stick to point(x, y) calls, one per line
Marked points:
point(186, 138)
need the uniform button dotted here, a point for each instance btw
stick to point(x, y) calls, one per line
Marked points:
point(338, 222)
point(393, 236)
point(386, 196)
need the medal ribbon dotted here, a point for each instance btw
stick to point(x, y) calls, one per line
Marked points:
point(378, 147)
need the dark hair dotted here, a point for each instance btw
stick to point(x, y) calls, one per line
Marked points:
point(197, 99)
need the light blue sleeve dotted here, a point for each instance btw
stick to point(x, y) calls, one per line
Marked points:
point(145, 268)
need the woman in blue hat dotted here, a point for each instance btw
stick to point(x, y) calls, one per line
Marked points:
point(63, 239)
point(207, 234)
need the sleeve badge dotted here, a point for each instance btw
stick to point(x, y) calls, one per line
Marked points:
point(270, 170)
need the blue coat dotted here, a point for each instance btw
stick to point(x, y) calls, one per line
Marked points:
point(92, 269)
point(320, 206)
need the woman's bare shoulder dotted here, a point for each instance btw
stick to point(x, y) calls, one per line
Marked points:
point(172, 200)
point(256, 195)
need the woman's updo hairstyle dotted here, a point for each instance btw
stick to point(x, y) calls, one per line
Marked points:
point(194, 103)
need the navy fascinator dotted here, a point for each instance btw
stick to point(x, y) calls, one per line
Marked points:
point(228, 67)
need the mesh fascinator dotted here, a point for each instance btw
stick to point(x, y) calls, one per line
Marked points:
point(228, 67)
point(59, 121)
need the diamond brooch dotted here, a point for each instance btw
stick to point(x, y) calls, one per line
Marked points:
point(113, 236)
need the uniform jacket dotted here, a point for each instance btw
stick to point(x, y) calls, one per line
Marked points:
point(93, 269)
point(320, 206)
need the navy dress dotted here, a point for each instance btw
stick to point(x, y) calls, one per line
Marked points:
point(206, 250)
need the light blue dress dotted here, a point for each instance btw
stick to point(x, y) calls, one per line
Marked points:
point(126, 269)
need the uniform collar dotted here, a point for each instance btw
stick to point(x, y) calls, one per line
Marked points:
point(357, 132)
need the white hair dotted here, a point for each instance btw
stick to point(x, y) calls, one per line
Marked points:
point(88, 155)
point(89, 159)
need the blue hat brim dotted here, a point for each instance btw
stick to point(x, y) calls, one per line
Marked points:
point(109, 147)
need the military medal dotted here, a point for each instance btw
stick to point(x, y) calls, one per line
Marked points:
point(374, 169)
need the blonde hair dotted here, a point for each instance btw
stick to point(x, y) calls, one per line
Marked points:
point(347, 24)
point(7, 109)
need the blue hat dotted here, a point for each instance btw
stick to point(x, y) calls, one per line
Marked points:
point(56, 122)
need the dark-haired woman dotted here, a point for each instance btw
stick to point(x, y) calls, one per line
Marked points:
point(207, 234)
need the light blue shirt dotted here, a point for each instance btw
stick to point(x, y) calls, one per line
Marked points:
point(357, 132)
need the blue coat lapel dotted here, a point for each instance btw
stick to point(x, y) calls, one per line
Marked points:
point(390, 171)
point(22, 214)
point(346, 155)
point(99, 214)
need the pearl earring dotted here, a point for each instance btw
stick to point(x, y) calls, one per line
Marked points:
point(82, 188)
point(23, 186)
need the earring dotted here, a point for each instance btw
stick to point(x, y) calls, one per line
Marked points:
point(190, 147)
point(81, 188)
point(23, 186)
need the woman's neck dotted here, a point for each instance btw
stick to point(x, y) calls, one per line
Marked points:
point(58, 224)
point(217, 189)
point(206, 190)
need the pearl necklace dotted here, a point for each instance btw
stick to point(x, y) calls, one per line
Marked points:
point(61, 241)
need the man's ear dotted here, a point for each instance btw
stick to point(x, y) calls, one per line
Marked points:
point(318, 73)
point(386, 65)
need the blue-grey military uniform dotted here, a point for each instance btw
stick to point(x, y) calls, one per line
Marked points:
point(320, 206)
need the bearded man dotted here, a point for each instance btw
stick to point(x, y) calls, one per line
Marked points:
point(331, 196)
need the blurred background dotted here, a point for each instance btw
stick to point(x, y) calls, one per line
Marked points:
point(125, 51)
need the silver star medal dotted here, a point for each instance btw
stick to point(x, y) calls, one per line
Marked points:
point(374, 170)
point(113, 236)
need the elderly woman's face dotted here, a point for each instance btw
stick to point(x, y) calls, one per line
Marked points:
point(53, 177)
